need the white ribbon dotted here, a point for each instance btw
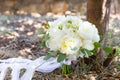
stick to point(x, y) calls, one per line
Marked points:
point(16, 64)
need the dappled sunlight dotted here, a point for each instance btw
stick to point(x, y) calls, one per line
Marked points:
point(4, 30)
point(21, 28)
point(49, 14)
point(29, 22)
point(21, 37)
point(37, 25)
point(30, 33)
point(15, 34)
point(24, 52)
point(35, 15)
point(117, 30)
point(21, 12)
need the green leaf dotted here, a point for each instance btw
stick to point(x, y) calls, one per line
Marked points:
point(118, 51)
point(43, 45)
point(70, 21)
point(47, 25)
point(108, 49)
point(53, 53)
point(60, 27)
point(40, 31)
point(46, 37)
point(97, 44)
point(85, 51)
point(48, 56)
point(61, 57)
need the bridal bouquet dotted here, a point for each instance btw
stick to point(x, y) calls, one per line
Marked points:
point(69, 37)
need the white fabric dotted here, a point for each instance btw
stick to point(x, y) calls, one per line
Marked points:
point(16, 64)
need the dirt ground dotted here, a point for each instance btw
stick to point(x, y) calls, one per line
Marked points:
point(19, 38)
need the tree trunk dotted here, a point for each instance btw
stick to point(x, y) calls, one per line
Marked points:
point(98, 12)
point(95, 13)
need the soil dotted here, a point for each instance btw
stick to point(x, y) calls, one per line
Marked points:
point(19, 38)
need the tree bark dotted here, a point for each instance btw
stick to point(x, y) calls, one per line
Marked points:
point(98, 12)
point(95, 13)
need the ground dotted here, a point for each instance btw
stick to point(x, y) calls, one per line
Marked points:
point(19, 38)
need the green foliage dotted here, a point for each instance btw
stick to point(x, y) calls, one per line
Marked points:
point(48, 56)
point(51, 54)
point(108, 49)
point(44, 39)
point(118, 51)
point(41, 31)
point(47, 26)
point(96, 45)
point(118, 66)
point(70, 21)
point(43, 44)
point(61, 57)
point(60, 27)
point(87, 52)
point(66, 69)
point(101, 36)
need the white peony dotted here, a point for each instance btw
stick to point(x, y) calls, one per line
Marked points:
point(54, 32)
point(53, 44)
point(70, 45)
point(72, 22)
point(88, 44)
point(88, 31)
point(69, 34)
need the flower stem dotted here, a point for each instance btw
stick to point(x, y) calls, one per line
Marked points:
point(66, 69)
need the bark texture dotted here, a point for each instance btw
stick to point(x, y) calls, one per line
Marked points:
point(95, 13)
point(98, 12)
